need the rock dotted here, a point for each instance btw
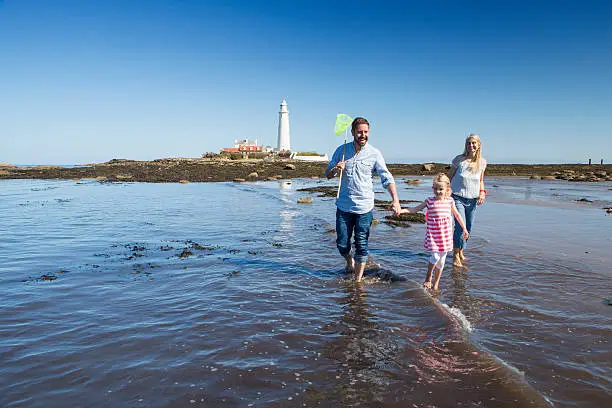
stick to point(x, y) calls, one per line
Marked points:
point(239, 180)
point(534, 177)
point(375, 221)
point(549, 178)
point(371, 264)
point(183, 181)
point(601, 174)
point(428, 166)
point(403, 220)
point(6, 165)
point(253, 176)
point(47, 167)
point(290, 166)
point(305, 200)
point(186, 253)
point(413, 182)
point(584, 200)
point(4, 173)
point(101, 178)
point(123, 176)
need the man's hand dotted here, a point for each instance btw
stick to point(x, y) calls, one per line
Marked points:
point(395, 204)
point(335, 171)
point(396, 207)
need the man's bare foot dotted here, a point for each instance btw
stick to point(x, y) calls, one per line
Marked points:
point(462, 256)
point(359, 268)
point(350, 265)
point(427, 284)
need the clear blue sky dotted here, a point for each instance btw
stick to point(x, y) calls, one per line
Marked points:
point(87, 81)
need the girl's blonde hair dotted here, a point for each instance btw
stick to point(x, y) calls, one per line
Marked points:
point(474, 165)
point(443, 179)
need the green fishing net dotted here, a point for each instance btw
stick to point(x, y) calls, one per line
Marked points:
point(342, 123)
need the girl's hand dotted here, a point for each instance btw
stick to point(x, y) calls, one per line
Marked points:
point(466, 235)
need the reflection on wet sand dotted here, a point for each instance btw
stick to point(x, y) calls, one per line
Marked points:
point(360, 350)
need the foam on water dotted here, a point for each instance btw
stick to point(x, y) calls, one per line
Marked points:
point(463, 321)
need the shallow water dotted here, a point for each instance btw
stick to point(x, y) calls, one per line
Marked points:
point(224, 294)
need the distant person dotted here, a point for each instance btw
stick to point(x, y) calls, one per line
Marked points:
point(358, 161)
point(439, 234)
point(467, 182)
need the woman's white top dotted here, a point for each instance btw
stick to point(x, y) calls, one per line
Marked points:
point(466, 183)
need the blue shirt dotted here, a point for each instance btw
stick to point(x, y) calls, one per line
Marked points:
point(356, 190)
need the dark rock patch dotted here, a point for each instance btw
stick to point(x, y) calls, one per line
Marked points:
point(387, 203)
point(404, 220)
point(322, 191)
point(185, 254)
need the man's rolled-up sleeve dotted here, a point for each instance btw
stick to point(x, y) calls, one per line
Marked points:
point(334, 160)
point(381, 169)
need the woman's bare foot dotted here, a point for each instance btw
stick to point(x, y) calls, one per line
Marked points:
point(462, 256)
point(427, 284)
point(457, 261)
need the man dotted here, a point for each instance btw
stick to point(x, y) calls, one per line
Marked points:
point(356, 200)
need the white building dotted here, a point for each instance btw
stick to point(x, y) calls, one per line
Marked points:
point(283, 128)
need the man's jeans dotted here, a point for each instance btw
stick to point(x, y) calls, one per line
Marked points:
point(346, 224)
point(467, 208)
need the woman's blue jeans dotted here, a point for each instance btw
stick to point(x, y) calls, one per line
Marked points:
point(348, 223)
point(467, 209)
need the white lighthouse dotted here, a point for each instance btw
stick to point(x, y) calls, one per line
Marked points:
point(283, 127)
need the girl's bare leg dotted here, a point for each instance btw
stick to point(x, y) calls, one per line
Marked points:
point(427, 282)
point(438, 272)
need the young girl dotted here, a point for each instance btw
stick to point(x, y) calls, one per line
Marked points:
point(439, 235)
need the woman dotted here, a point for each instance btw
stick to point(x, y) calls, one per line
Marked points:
point(467, 182)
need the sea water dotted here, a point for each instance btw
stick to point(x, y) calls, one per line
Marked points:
point(233, 294)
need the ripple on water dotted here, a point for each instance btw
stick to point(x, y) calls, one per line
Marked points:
point(258, 312)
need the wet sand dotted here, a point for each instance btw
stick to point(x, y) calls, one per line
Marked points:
point(215, 170)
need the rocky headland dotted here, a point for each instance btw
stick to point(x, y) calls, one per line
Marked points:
point(214, 170)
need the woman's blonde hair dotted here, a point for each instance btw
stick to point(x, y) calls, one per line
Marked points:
point(443, 179)
point(474, 165)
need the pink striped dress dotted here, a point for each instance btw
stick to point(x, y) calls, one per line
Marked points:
point(439, 235)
